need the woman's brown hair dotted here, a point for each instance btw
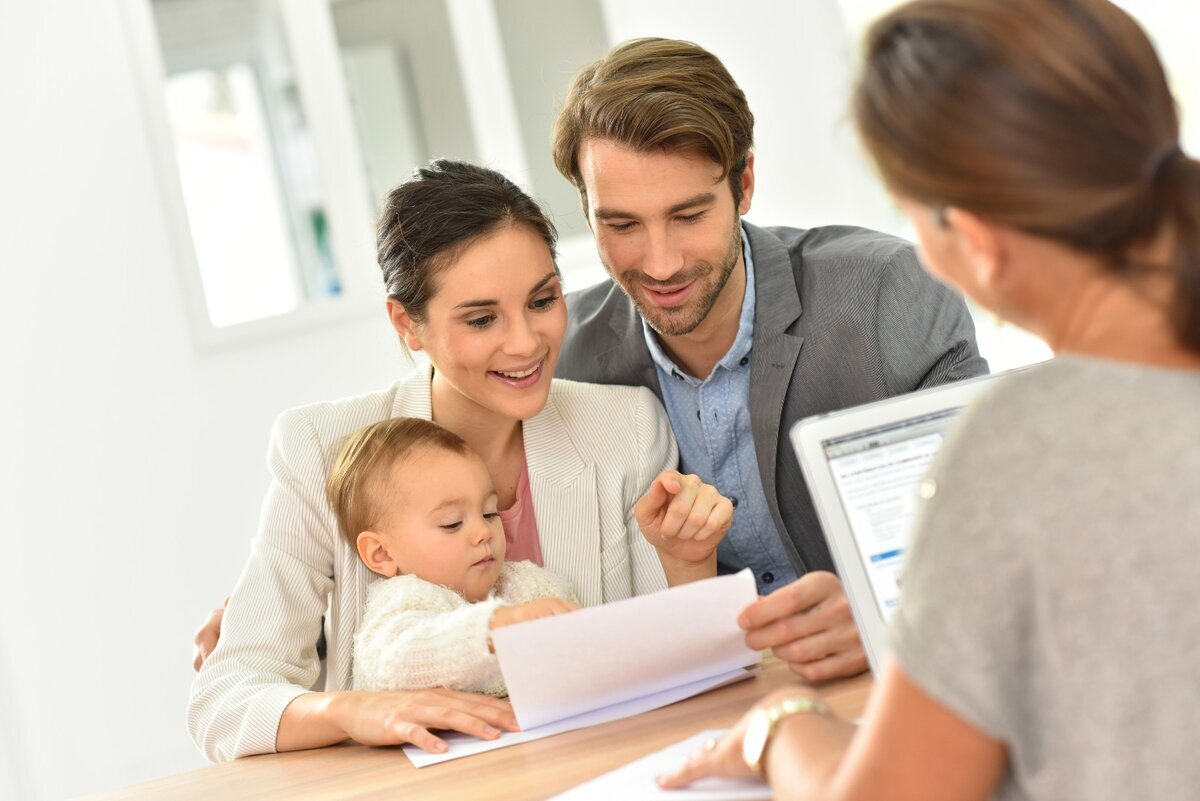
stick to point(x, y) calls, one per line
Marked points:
point(427, 222)
point(1049, 116)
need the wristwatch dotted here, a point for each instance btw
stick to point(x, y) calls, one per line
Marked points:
point(763, 722)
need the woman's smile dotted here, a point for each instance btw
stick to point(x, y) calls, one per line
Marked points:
point(520, 378)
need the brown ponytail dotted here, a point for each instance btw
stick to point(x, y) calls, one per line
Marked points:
point(1179, 187)
point(1050, 116)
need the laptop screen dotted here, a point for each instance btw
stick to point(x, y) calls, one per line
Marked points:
point(877, 473)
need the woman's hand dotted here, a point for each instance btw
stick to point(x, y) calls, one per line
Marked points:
point(684, 519)
point(406, 716)
point(542, 607)
point(722, 757)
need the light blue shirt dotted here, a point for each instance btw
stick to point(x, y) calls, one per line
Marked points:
point(711, 420)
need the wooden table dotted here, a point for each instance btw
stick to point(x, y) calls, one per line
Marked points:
point(535, 770)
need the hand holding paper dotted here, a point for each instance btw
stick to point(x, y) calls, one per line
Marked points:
point(561, 666)
point(607, 662)
point(534, 610)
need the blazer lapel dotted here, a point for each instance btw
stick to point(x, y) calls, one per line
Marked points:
point(628, 361)
point(773, 356)
point(414, 396)
point(563, 485)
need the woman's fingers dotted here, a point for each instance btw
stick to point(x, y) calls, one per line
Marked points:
point(650, 509)
point(720, 758)
point(493, 711)
point(419, 736)
point(466, 712)
point(678, 521)
point(702, 513)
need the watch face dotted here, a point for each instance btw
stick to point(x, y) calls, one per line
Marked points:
point(755, 740)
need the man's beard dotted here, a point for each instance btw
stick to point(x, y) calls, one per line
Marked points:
point(683, 320)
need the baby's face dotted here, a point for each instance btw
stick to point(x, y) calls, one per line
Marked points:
point(439, 521)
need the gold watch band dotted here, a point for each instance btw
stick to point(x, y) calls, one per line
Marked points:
point(763, 725)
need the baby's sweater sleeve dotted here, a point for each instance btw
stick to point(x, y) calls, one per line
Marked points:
point(522, 582)
point(416, 635)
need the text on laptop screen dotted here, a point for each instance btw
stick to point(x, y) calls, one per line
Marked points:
point(878, 473)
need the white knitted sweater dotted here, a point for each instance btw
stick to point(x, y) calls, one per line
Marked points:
point(416, 634)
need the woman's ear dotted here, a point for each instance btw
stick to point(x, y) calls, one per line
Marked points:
point(982, 246)
point(374, 554)
point(403, 324)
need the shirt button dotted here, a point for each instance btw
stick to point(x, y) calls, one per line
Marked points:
point(768, 577)
point(745, 360)
point(733, 500)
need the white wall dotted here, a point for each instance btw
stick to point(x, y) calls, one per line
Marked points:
point(133, 467)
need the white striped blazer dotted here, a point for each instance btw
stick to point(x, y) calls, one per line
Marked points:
point(591, 452)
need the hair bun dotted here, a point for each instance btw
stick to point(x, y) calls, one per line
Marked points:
point(1164, 157)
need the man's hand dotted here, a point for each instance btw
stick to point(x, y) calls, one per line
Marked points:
point(542, 607)
point(207, 635)
point(683, 518)
point(808, 624)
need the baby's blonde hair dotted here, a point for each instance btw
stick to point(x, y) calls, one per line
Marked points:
point(364, 458)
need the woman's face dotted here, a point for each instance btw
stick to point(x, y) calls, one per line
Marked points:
point(943, 250)
point(494, 326)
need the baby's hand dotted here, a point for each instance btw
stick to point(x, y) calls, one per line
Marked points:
point(542, 607)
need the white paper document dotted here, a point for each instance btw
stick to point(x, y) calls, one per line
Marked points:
point(562, 666)
point(462, 745)
point(609, 662)
point(635, 781)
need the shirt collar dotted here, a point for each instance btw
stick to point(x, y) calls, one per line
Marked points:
point(745, 335)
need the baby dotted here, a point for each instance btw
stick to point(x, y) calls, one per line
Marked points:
point(419, 507)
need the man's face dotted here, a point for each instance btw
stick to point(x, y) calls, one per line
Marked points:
point(666, 228)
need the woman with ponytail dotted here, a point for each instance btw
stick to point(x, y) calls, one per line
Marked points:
point(1047, 645)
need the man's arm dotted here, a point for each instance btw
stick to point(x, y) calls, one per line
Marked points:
point(925, 331)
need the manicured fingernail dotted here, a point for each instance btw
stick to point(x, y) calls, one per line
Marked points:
point(439, 746)
point(491, 732)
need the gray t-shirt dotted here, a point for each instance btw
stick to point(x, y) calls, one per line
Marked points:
point(1052, 593)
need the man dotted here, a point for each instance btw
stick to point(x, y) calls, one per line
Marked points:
point(740, 330)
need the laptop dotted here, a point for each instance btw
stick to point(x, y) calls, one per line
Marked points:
point(864, 467)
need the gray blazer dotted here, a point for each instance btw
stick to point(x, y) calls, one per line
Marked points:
point(843, 316)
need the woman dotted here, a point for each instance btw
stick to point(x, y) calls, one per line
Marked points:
point(1048, 641)
point(468, 260)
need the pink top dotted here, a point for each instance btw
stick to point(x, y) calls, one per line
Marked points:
point(520, 526)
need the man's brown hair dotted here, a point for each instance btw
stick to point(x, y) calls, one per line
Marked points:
point(363, 462)
point(657, 95)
